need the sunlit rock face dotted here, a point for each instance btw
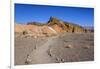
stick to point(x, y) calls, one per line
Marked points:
point(64, 26)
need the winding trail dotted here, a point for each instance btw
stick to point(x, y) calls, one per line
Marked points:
point(40, 55)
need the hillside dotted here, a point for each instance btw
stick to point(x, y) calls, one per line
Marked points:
point(52, 27)
point(65, 26)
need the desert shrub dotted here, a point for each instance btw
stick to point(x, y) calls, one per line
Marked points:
point(25, 32)
point(36, 23)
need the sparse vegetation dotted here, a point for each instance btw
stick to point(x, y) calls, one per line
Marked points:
point(36, 23)
point(25, 32)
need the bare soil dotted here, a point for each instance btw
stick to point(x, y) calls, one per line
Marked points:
point(65, 47)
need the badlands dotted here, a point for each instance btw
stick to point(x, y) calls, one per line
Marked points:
point(53, 42)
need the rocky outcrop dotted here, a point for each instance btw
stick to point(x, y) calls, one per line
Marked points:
point(64, 26)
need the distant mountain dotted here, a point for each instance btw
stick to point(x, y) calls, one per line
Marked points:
point(89, 29)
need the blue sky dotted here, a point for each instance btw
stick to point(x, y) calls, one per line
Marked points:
point(41, 13)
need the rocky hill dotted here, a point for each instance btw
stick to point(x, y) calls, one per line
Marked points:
point(65, 26)
point(52, 27)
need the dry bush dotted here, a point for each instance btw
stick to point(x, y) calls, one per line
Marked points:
point(24, 32)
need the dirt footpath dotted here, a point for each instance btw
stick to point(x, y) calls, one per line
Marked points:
point(66, 47)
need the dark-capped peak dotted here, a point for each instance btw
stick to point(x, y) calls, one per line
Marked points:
point(53, 19)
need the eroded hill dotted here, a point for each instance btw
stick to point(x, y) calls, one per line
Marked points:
point(52, 27)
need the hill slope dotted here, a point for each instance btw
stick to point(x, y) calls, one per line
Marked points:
point(52, 27)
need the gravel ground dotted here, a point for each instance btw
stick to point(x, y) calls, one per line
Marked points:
point(65, 47)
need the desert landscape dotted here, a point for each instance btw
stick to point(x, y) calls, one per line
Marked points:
point(56, 41)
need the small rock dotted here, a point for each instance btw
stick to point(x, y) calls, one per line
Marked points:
point(68, 46)
point(86, 47)
point(35, 36)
